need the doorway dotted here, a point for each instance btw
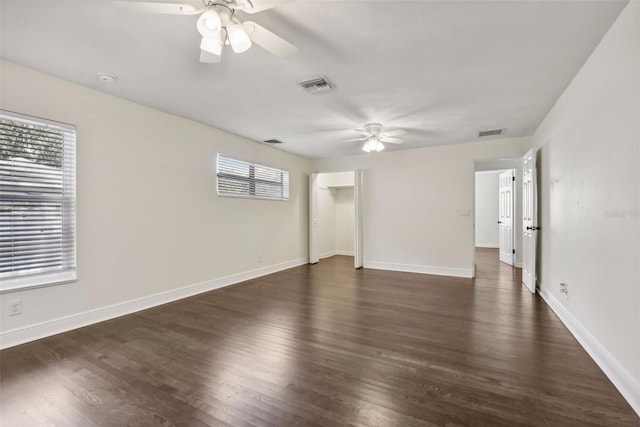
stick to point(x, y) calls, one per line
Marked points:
point(334, 216)
point(495, 213)
point(498, 210)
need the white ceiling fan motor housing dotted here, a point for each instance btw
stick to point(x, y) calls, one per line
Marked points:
point(373, 129)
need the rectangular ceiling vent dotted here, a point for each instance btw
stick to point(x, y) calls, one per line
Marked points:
point(317, 85)
point(491, 132)
point(273, 141)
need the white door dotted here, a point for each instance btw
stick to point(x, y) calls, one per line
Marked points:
point(313, 219)
point(529, 220)
point(505, 220)
point(357, 196)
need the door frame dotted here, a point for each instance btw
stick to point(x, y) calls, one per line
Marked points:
point(358, 186)
point(314, 255)
point(530, 224)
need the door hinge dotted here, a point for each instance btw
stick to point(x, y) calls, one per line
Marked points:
point(513, 178)
point(513, 251)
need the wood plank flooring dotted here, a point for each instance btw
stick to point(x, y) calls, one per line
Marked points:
point(322, 345)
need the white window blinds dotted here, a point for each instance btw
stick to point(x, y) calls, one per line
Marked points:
point(237, 178)
point(37, 202)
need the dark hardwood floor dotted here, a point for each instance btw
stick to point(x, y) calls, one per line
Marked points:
point(322, 345)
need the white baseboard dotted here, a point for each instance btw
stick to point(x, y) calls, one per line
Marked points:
point(423, 269)
point(53, 327)
point(327, 255)
point(334, 253)
point(488, 245)
point(618, 374)
point(343, 253)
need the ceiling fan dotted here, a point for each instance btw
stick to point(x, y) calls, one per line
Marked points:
point(374, 135)
point(219, 25)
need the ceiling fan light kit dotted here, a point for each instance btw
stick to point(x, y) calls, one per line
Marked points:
point(211, 45)
point(219, 26)
point(375, 136)
point(372, 144)
point(209, 24)
point(238, 38)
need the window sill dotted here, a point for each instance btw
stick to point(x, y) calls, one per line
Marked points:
point(23, 283)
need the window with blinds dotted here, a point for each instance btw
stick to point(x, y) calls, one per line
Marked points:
point(237, 178)
point(37, 202)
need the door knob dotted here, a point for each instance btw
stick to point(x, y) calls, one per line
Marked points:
point(533, 228)
point(499, 222)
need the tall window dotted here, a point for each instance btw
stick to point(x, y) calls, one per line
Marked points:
point(37, 202)
point(237, 178)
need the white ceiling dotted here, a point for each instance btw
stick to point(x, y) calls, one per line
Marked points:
point(441, 70)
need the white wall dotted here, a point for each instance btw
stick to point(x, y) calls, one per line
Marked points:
point(589, 202)
point(487, 213)
point(345, 221)
point(413, 201)
point(149, 219)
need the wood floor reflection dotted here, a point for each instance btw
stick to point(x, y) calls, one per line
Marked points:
point(322, 345)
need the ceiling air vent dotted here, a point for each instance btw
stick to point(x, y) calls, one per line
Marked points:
point(317, 85)
point(273, 141)
point(491, 132)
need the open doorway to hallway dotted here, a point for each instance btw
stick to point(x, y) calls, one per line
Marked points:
point(495, 213)
point(498, 210)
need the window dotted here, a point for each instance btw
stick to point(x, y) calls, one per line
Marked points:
point(241, 179)
point(37, 202)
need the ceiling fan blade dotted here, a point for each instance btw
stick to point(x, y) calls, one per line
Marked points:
point(269, 41)
point(393, 132)
point(356, 139)
point(391, 140)
point(362, 132)
point(159, 7)
point(255, 6)
point(209, 58)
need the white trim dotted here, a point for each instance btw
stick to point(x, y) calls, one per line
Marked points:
point(334, 253)
point(358, 257)
point(423, 269)
point(32, 281)
point(488, 245)
point(490, 172)
point(45, 329)
point(345, 253)
point(327, 255)
point(618, 374)
point(518, 264)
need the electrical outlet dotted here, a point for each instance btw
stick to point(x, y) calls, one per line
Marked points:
point(564, 290)
point(15, 307)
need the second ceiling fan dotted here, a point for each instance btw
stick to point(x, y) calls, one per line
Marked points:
point(219, 26)
point(374, 135)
